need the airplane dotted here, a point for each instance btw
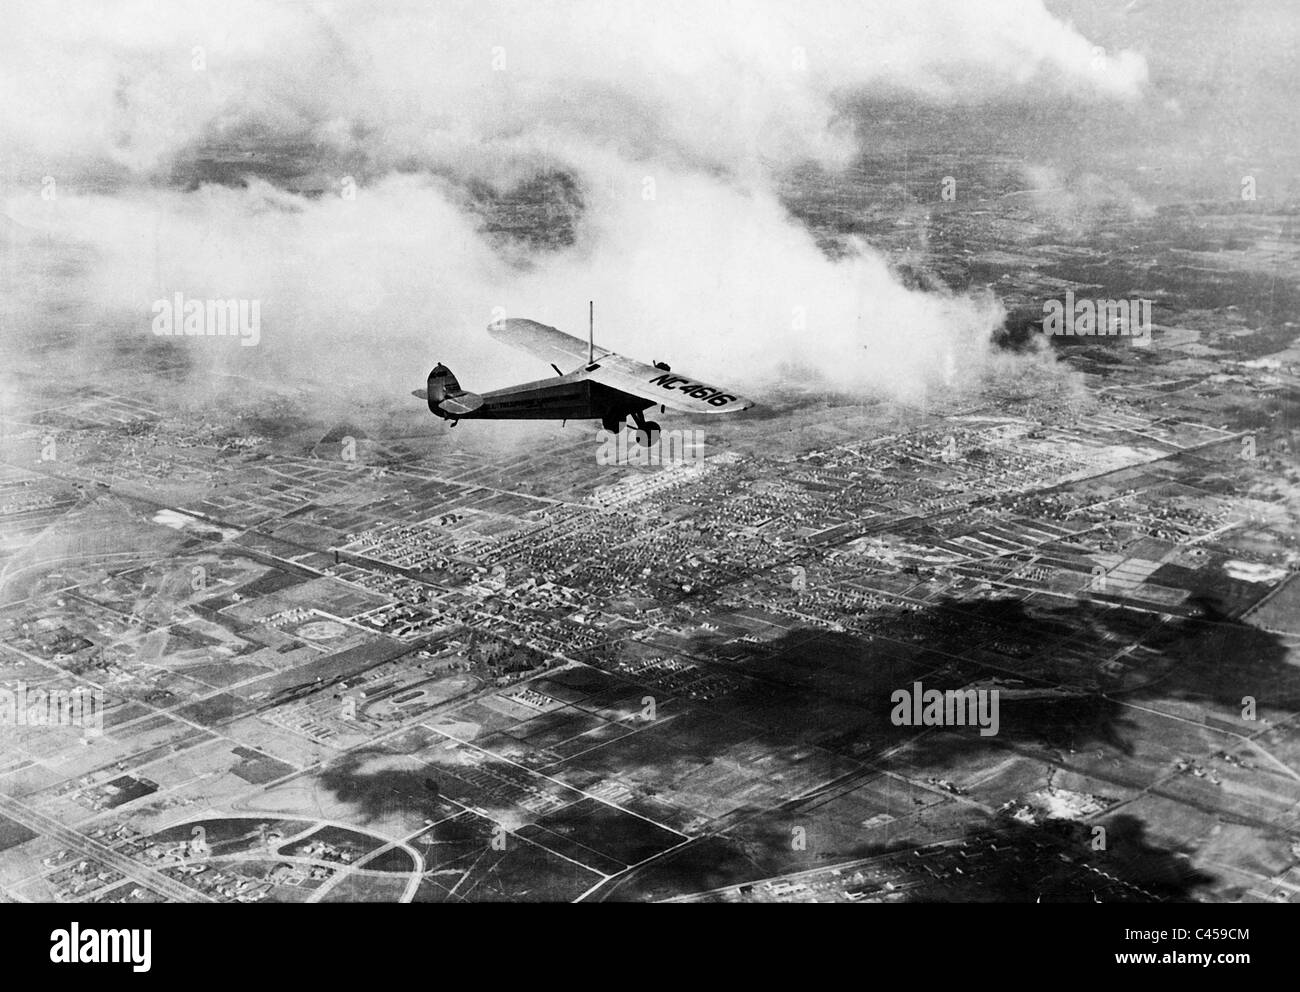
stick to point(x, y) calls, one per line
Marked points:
point(605, 386)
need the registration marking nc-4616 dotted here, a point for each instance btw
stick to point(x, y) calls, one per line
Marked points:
point(697, 390)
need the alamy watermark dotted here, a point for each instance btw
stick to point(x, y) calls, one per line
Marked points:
point(673, 447)
point(208, 318)
point(81, 707)
point(917, 707)
point(102, 946)
point(1098, 318)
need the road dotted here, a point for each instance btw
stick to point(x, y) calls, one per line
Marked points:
point(90, 847)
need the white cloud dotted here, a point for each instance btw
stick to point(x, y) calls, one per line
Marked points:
point(705, 97)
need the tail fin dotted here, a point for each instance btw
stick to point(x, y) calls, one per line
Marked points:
point(442, 383)
point(446, 398)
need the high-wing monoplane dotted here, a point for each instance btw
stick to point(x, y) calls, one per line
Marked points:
point(604, 386)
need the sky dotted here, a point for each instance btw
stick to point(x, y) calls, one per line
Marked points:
point(676, 118)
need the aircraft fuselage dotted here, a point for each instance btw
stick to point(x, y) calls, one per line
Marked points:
point(567, 397)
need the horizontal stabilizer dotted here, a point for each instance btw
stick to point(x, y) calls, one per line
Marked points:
point(460, 405)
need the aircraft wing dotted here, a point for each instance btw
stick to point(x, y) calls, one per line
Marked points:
point(661, 387)
point(548, 343)
point(647, 382)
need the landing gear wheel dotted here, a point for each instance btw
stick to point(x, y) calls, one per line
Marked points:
point(612, 424)
point(647, 434)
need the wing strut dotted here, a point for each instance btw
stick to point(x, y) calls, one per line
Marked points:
point(591, 331)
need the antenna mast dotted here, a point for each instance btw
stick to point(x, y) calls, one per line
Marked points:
point(591, 331)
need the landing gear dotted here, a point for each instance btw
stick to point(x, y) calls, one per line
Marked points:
point(648, 436)
point(647, 431)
